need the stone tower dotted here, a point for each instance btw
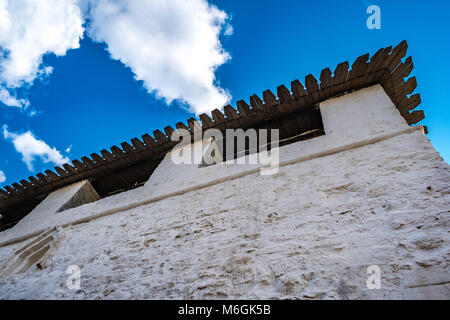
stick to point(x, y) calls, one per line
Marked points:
point(358, 207)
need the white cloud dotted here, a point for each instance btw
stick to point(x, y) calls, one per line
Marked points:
point(30, 29)
point(68, 149)
point(30, 147)
point(171, 45)
point(228, 30)
point(11, 101)
point(2, 176)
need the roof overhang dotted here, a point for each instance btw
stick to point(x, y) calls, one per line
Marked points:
point(292, 110)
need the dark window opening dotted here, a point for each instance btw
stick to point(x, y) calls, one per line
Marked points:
point(125, 179)
point(298, 126)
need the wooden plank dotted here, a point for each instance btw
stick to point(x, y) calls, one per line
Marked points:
point(389, 65)
point(325, 83)
point(127, 148)
point(243, 108)
point(397, 54)
point(107, 155)
point(325, 78)
point(284, 95)
point(312, 87)
point(159, 136)
point(287, 104)
point(26, 184)
point(233, 116)
point(35, 181)
point(53, 176)
point(375, 67)
point(182, 126)
point(415, 117)
point(339, 78)
point(230, 112)
point(300, 94)
point(402, 71)
point(206, 121)
point(359, 66)
point(61, 171)
point(42, 178)
point(182, 130)
point(79, 165)
point(270, 100)
point(400, 100)
point(218, 116)
point(137, 144)
point(18, 187)
point(169, 132)
point(356, 74)
point(88, 162)
point(195, 128)
point(340, 73)
point(392, 62)
point(117, 152)
point(150, 143)
point(194, 125)
point(298, 91)
point(406, 88)
point(413, 101)
point(383, 61)
point(71, 170)
point(402, 66)
point(4, 193)
point(374, 60)
point(256, 103)
point(98, 159)
point(11, 190)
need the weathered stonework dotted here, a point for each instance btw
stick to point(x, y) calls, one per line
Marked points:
point(371, 191)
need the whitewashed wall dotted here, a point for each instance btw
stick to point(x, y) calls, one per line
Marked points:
point(372, 191)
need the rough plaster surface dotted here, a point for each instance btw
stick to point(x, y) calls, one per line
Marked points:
point(310, 231)
point(67, 197)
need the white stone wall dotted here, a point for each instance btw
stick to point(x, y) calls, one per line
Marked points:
point(372, 191)
point(69, 196)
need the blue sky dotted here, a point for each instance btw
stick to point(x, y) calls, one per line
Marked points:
point(91, 100)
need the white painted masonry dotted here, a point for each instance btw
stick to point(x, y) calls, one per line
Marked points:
point(67, 197)
point(371, 191)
